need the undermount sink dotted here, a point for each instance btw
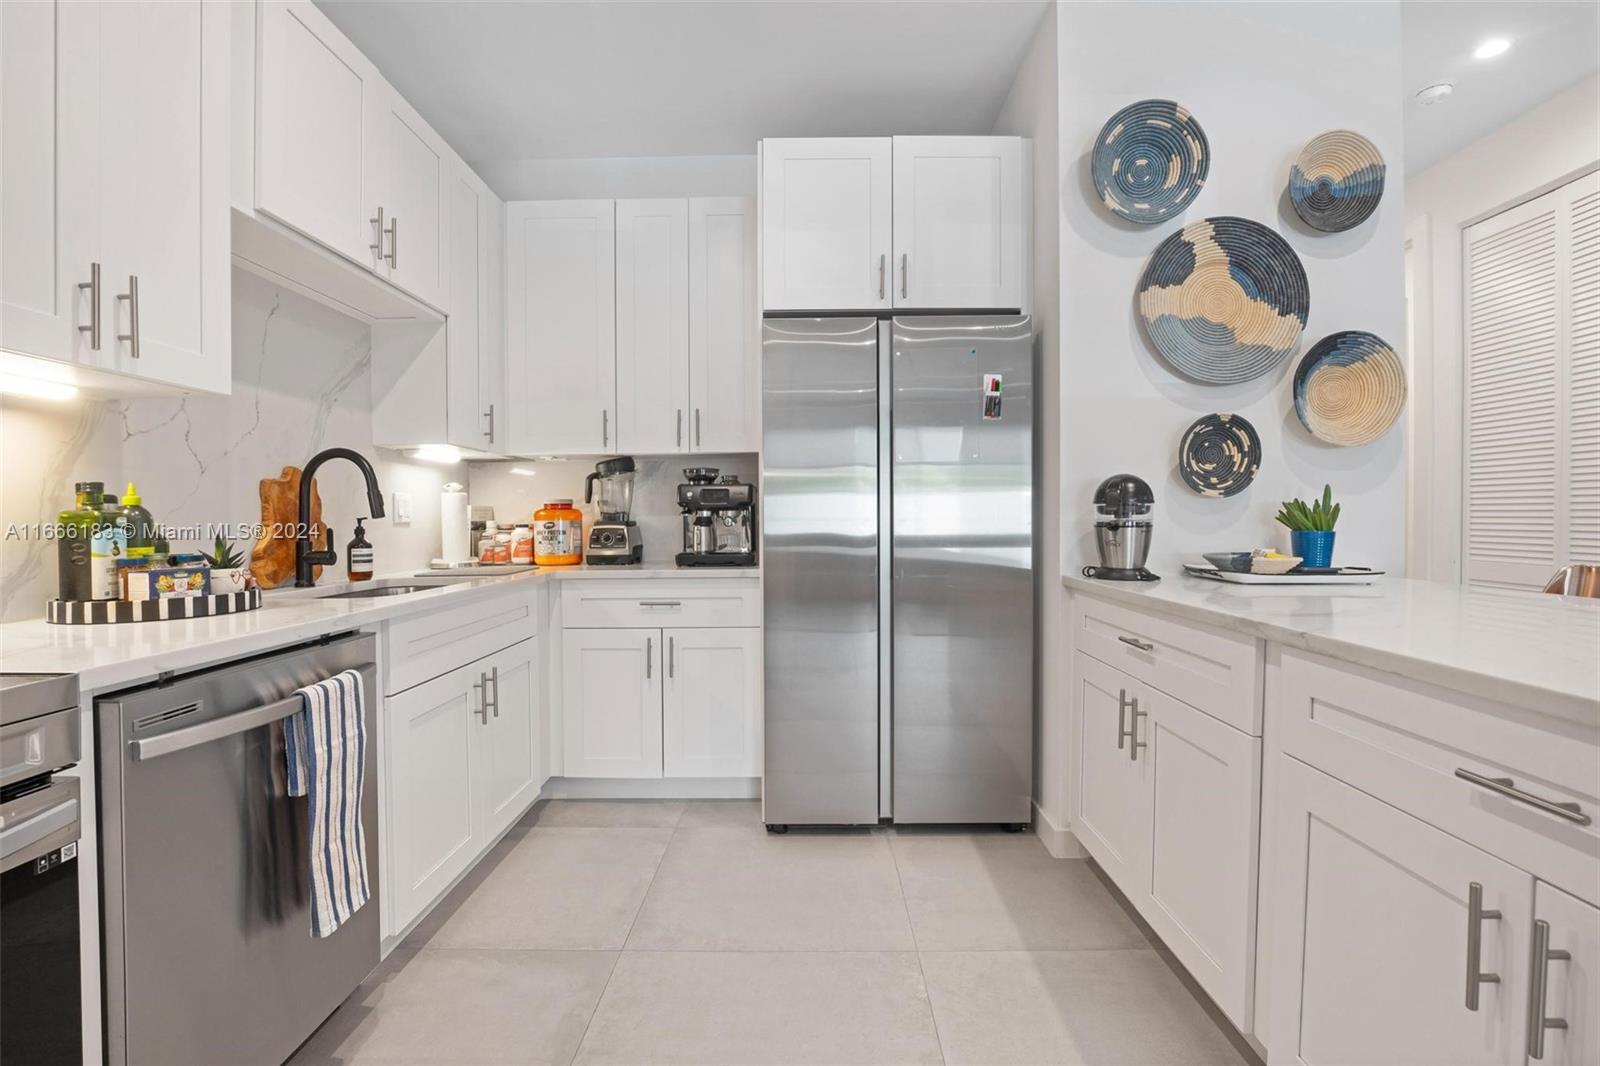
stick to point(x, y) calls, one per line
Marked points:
point(384, 590)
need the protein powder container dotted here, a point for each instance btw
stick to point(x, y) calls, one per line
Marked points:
point(558, 534)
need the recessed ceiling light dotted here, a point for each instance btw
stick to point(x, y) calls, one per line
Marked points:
point(1432, 94)
point(1494, 46)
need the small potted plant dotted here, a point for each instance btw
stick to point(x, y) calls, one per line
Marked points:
point(1310, 528)
point(229, 571)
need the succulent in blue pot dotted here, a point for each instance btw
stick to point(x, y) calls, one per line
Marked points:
point(1310, 528)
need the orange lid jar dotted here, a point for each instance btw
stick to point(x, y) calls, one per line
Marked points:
point(558, 534)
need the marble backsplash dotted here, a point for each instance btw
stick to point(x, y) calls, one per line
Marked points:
point(300, 383)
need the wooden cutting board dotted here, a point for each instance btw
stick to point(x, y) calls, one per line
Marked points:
point(272, 558)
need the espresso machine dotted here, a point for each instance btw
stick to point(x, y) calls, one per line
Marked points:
point(615, 538)
point(1122, 535)
point(718, 519)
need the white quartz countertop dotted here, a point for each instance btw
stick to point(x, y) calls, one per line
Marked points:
point(108, 657)
point(1525, 648)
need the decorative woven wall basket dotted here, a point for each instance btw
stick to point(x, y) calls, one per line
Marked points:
point(1224, 300)
point(1150, 160)
point(1219, 455)
point(1350, 388)
point(1337, 181)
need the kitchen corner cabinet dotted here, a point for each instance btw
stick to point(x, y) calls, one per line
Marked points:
point(463, 759)
point(652, 366)
point(868, 223)
point(113, 164)
point(561, 326)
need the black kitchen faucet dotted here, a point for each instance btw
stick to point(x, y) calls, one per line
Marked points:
point(305, 557)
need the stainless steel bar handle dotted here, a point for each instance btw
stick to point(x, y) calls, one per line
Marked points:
point(1142, 645)
point(226, 726)
point(679, 438)
point(394, 242)
point(93, 328)
point(672, 657)
point(905, 277)
point(377, 234)
point(132, 297)
point(1506, 787)
point(1122, 723)
point(18, 835)
point(1476, 916)
point(882, 262)
point(697, 427)
point(1539, 987)
point(490, 431)
point(482, 687)
point(494, 681)
point(660, 603)
point(1134, 743)
point(649, 656)
point(605, 427)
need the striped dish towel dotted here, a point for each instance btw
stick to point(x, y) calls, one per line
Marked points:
point(325, 743)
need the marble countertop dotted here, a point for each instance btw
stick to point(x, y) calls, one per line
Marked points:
point(1524, 648)
point(115, 656)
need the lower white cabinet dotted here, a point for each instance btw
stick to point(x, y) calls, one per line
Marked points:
point(1167, 804)
point(644, 703)
point(1376, 940)
point(1571, 985)
point(463, 764)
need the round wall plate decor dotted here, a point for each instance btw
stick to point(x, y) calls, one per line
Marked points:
point(1337, 181)
point(1224, 300)
point(1219, 455)
point(1350, 387)
point(1150, 160)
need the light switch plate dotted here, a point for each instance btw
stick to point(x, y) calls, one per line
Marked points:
point(402, 508)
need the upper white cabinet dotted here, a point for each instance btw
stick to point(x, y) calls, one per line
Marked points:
point(826, 223)
point(958, 234)
point(724, 346)
point(875, 222)
point(113, 162)
point(561, 326)
point(652, 364)
point(466, 422)
point(317, 96)
point(409, 184)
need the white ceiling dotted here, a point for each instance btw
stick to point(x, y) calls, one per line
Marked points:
point(562, 80)
point(1553, 46)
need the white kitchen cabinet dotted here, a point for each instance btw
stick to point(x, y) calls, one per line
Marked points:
point(652, 354)
point(1113, 801)
point(50, 179)
point(711, 703)
point(1571, 985)
point(318, 97)
point(435, 827)
point(507, 781)
point(959, 239)
point(826, 223)
point(116, 187)
point(406, 181)
point(724, 345)
point(611, 702)
point(1373, 944)
point(466, 422)
point(561, 326)
point(492, 324)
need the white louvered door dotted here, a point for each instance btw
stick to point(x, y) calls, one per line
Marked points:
point(1532, 425)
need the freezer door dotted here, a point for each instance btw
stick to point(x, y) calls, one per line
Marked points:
point(962, 594)
point(819, 493)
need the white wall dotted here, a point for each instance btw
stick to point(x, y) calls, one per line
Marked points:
point(622, 177)
point(1262, 79)
point(1031, 111)
point(301, 376)
point(1545, 147)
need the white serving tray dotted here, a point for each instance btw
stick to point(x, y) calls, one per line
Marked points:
point(1348, 575)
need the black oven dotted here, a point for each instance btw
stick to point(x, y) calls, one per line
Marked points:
point(41, 1001)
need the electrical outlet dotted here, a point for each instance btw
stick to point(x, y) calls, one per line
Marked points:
point(402, 508)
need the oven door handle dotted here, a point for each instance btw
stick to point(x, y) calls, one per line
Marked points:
point(13, 838)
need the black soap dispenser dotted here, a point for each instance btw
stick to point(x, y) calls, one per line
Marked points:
point(358, 555)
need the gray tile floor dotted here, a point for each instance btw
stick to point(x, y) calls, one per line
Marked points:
point(668, 932)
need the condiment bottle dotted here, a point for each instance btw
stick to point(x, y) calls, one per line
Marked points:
point(358, 555)
point(74, 529)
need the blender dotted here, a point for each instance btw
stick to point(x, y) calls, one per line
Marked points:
point(1123, 534)
point(615, 538)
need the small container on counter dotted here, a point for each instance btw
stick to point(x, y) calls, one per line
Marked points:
point(358, 555)
point(558, 534)
point(521, 544)
point(169, 582)
point(74, 531)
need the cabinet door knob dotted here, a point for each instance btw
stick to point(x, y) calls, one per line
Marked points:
point(1476, 916)
point(93, 328)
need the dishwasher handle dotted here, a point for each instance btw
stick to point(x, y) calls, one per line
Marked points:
point(193, 736)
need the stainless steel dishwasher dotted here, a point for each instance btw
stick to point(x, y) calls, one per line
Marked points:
point(209, 955)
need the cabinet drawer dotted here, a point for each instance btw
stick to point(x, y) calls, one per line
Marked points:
point(428, 645)
point(1405, 742)
point(1220, 673)
point(667, 603)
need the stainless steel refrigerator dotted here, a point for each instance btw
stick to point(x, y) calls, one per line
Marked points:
point(897, 479)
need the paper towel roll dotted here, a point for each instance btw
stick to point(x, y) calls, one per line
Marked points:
point(454, 525)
